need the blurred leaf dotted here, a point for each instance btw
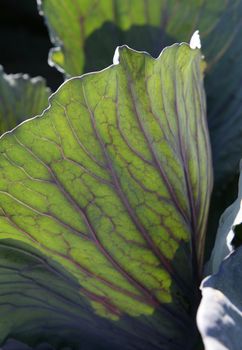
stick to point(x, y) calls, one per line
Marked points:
point(80, 28)
point(21, 97)
point(84, 30)
point(113, 183)
point(219, 315)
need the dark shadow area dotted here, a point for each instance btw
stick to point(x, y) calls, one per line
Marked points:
point(224, 101)
point(41, 302)
point(101, 44)
point(24, 41)
point(237, 240)
point(221, 199)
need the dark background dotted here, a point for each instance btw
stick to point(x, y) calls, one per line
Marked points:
point(24, 41)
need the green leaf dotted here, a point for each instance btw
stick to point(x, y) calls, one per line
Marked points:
point(219, 315)
point(113, 183)
point(21, 97)
point(82, 29)
point(85, 33)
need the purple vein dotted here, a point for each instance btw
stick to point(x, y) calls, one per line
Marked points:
point(209, 162)
point(83, 269)
point(158, 119)
point(79, 165)
point(67, 226)
point(153, 153)
point(99, 244)
point(148, 298)
point(126, 203)
point(194, 233)
point(125, 139)
point(163, 175)
point(76, 137)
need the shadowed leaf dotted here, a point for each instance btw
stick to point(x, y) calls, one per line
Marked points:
point(21, 97)
point(113, 183)
point(223, 49)
point(219, 316)
point(41, 304)
point(12, 344)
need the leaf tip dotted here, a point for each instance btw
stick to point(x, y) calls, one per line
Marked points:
point(121, 51)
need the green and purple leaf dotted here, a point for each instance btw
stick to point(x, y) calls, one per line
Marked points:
point(40, 303)
point(86, 32)
point(112, 183)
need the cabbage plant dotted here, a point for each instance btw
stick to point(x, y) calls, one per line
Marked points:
point(111, 192)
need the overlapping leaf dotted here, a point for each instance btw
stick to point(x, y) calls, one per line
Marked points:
point(21, 97)
point(219, 315)
point(81, 29)
point(113, 183)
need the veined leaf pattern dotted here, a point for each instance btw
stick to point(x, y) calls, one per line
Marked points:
point(113, 183)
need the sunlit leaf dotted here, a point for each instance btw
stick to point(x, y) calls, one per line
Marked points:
point(85, 33)
point(113, 183)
